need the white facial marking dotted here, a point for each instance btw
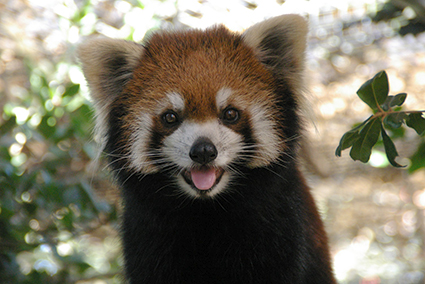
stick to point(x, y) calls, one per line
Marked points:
point(176, 101)
point(139, 157)
point(266, 135)
point(173, 101)
point(264, 128)
point(177, 147)
point(222, 97)
point(229, 144)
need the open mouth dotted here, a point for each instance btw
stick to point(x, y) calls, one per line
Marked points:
point(203, 178)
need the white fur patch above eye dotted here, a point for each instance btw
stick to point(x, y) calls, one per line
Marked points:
point(176, 101)
point(173, 100)
point(222, 97)
point(226, 96)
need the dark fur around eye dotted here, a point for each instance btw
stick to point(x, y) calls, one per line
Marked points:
point(230, 115)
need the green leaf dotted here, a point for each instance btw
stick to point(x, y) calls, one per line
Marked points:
point(396, 132)
point(44, 127)
point(71, 90)
point(390, 149)
point(369, 135)
point(398, 99)
point(395, 120)
point(349, 138)
point(417, 159)
point(347, 141)
point(8, 125)
point(417, 122)
point(393, 101)
point(67, 221)
point(375, 91)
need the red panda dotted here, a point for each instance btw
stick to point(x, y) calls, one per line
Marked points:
point(201, 129)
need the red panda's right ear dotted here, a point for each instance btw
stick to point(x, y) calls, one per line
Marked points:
point(108, 65)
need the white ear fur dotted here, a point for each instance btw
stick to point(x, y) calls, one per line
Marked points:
point(108, 65)
point(280, 43)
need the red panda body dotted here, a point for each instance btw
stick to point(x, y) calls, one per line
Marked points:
point(201, 129)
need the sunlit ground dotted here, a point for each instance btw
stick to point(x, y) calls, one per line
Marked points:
point(374, 214)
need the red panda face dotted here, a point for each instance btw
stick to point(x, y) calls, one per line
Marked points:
point(196, 106)
point(197, 111)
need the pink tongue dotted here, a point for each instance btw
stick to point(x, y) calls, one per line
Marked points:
point(203, 179)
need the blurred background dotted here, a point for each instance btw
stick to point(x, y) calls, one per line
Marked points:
point(59, 215)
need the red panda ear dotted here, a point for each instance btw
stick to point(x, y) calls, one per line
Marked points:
point(108, 65)
point(280, 44)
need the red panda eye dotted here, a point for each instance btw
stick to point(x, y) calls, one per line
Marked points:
point(170, 118)
point(230, 115)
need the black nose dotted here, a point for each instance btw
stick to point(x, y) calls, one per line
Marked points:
point(203, 151)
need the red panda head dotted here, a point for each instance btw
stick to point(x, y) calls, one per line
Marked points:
point(199, 105)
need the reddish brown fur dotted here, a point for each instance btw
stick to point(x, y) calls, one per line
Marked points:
point(197, 65)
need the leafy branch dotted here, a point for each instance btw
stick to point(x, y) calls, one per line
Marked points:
point(387, 114)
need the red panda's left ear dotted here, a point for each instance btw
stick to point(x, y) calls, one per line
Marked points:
point(280, 43)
